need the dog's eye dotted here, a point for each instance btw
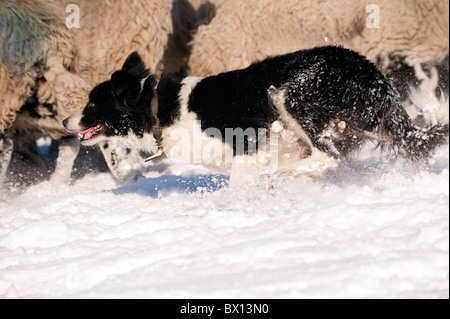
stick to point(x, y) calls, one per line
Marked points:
point(91, 105)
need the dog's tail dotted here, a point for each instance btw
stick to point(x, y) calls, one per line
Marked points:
point(406, 139)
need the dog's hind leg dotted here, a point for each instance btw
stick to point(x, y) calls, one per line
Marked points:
point(277, 99)
point(6, 149)
point(68, 150)
point(315, 162)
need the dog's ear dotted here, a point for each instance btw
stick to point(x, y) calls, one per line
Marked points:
point(120, 81)
point(135, 66)
point(126, 90)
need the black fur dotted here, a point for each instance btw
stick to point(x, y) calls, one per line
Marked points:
point(170, 107)
point(443, 69)
point(323, 87)
point(403, 75)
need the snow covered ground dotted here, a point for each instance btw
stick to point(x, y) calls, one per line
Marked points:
point(367, 231)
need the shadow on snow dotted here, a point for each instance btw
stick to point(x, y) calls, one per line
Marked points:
point(166, 185)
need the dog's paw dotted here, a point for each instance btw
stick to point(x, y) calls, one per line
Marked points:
point(59, 179)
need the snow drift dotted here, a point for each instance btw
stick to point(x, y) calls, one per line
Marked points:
point(366, 230)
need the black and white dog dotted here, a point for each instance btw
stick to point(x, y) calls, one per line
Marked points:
point(309, 108)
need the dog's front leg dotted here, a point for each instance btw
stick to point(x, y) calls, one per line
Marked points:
point(124, 163)
point(68, 149)
point(6, 150)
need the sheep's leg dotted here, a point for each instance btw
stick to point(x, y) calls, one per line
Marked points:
point(68, 150)
point(6, 150)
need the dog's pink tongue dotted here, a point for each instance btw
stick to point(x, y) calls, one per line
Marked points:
point(86, 134)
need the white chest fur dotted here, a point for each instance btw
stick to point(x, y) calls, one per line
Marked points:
point(186, 142)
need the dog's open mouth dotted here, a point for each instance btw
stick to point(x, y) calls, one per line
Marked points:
point(90, 133)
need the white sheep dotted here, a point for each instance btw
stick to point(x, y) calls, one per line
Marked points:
point(415, 31)
point(48, 68)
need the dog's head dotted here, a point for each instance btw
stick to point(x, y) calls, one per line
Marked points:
point(118, 106)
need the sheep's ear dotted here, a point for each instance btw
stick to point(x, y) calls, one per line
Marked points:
point(120, 81)
point(135, 66)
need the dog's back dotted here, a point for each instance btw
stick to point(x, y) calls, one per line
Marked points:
point(338, 97)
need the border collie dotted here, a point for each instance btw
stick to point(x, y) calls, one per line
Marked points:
point(312, 108)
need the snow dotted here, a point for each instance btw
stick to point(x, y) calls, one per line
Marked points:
point(373, 230)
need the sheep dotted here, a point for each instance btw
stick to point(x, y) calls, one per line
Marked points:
point(36, 45)
point(246, 31)
point(412, 32)
point(47, 69)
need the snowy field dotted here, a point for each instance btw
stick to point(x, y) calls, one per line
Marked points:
point(368, 231)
